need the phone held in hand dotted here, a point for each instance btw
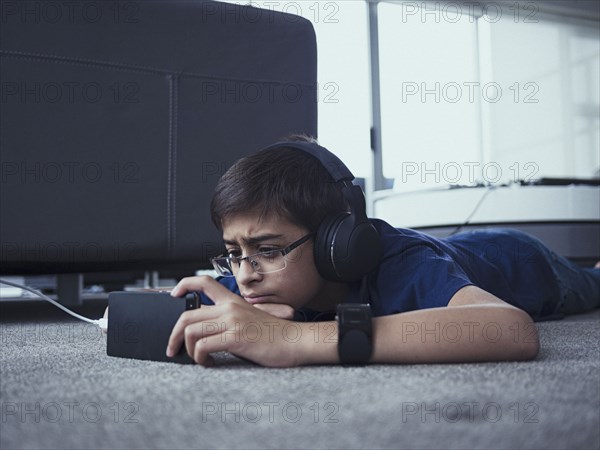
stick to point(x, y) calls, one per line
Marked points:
point(140, 323)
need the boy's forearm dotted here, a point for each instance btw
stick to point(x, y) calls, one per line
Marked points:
point(318, 343)
point(459, 334)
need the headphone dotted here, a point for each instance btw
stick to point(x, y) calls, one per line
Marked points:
point(346, 245)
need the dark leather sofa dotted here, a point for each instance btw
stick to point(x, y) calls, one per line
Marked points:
point(117, 119)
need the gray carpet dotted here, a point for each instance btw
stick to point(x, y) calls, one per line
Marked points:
point(60, 390)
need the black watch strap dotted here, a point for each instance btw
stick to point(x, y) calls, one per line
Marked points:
point(355, 333)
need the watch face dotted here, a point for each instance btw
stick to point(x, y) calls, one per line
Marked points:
point(354, 314)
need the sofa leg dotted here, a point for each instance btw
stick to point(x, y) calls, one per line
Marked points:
point(69, 289)
point(151, 279)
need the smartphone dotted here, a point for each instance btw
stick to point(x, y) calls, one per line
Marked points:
point(140, 323)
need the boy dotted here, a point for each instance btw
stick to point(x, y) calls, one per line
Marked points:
point(470, 297)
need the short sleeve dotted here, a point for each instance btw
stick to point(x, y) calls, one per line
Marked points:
point(418, 277)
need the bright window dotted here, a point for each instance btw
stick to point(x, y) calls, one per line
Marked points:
point(430, 104)
point(468, 95)
point(496, 97)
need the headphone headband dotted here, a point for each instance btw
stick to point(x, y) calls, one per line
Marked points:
point(334, 165)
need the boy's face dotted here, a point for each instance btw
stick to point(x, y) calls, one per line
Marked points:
point(297, 284)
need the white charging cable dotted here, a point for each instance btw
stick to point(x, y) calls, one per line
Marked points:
point(102, 323)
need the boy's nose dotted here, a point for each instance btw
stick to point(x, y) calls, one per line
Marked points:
point(246, 273)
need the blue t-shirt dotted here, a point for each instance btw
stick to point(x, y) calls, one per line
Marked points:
point(419, 271)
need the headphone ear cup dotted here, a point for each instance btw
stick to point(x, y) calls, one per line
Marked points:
point(344, 250)
point(364, 246)
point(324, 241)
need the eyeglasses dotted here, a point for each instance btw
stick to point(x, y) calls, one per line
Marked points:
point(262, 262)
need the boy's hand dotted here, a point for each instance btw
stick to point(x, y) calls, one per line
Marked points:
point(275, 309)
point(232, 325)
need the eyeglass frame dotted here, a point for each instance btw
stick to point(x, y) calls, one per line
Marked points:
point(284, 251)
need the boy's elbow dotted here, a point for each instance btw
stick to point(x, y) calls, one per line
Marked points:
point(527, 341)
point(529, 350)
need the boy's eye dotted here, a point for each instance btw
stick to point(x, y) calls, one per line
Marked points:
point(236, 253)
point(267, 249)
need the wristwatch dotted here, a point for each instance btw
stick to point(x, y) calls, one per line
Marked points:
point(355, 333)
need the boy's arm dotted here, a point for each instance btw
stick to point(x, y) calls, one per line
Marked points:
point(476, 326)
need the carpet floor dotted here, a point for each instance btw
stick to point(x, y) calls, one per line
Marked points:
point(59, 389)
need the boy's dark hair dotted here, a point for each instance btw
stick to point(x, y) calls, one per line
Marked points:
point(285, 181)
